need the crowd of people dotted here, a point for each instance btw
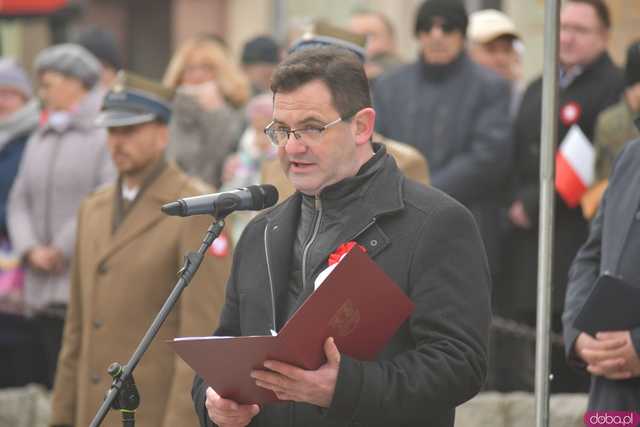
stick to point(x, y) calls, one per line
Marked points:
point(89, 153)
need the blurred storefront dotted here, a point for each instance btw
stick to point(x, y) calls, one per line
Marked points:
point(149, 30)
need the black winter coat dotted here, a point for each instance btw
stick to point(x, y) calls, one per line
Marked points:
point(458, 117)
point(599, 86)
point(430, 246)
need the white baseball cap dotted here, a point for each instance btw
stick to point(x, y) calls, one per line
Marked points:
point(489, 24)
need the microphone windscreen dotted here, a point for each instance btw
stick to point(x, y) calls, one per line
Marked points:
point(269, 195)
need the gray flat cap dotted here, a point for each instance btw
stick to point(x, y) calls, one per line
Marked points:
point(72, 60)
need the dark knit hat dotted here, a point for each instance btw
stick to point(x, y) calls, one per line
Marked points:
point(261, 49)
point(102, 44)
point(452, 11)
point(632, 68)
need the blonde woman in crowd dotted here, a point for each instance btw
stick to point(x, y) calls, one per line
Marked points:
point(207, 121)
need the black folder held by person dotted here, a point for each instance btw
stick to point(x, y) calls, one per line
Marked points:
point(357, 304)
point(613, 305)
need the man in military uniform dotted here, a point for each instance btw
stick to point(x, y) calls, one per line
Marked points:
point(127, 256)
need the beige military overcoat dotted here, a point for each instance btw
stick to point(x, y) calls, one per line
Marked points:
point(119, 282)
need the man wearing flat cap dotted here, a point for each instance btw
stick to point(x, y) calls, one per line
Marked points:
point(128, 254)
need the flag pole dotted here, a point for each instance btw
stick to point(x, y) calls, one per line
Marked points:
point(549, 136)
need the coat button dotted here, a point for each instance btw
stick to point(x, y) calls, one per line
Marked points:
point(374, 243)
point(102, 268)
point(95, 378)
point(97, 323)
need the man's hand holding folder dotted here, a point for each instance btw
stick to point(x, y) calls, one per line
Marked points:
point(356, 311)
point(610, 354)
point(608, 315)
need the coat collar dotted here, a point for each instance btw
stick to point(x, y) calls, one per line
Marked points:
point(146, 212)
point(383, 196)
point(601, 62)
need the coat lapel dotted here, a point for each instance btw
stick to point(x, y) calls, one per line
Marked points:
point(146, 211)
point(626, 202)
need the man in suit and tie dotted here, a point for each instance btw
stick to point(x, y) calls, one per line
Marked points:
point(613, 247)
point(127, 256)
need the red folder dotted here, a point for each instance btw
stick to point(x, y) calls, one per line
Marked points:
point(357, 304)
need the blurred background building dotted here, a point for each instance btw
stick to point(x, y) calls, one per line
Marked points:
point(149, 30)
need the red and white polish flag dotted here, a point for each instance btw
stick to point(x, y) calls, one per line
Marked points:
point(575, 162)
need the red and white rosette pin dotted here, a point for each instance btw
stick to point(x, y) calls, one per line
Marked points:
point(335, 258)
point(570, 113)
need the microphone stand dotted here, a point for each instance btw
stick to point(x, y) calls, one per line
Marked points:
point(123, 394)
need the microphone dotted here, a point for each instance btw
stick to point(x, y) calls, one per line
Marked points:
point(252, 198)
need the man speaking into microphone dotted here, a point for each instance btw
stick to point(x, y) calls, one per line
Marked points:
point(127, 255)
point(349, 190)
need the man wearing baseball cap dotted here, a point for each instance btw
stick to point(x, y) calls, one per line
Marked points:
point(493, 40)
point(128, 254)
point(492, 34)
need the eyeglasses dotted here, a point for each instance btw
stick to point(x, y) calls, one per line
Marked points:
point(578, 30)
point(310, 134)
point(445, 26)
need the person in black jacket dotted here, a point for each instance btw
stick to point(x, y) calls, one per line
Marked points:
point(589, 82)
point(350, 189)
